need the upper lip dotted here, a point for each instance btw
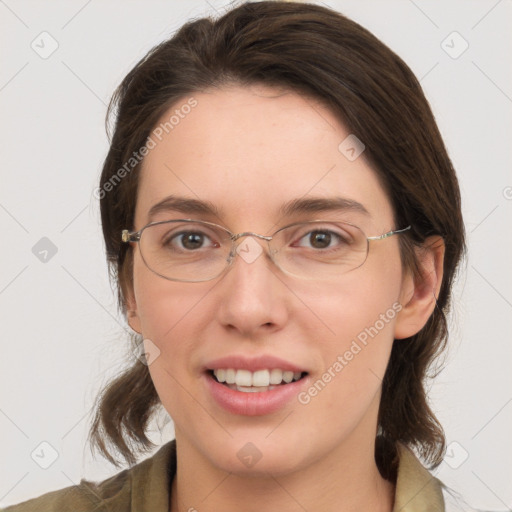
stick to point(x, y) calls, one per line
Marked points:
point(263, 362)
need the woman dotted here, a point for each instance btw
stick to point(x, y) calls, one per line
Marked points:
point(284, 224)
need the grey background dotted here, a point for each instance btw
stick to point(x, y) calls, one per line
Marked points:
point(61, 336)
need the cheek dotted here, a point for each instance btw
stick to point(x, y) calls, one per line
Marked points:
point(353, 326)
point(164, 306)
point(361, 336)
point(353, 367)
point(342, 311)
point(169, 314)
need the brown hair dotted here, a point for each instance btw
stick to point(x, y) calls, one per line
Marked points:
point(318, 53)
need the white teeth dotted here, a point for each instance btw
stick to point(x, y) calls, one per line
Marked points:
point(243, 378)
point(258, 379)
point(276, 376)
point(288, 377)
point(261, 378)
point(230, 376)
point(246, 389)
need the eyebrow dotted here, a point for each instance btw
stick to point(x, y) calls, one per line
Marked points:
point(295, 206)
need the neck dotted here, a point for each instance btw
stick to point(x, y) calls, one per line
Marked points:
point(347, 480)
point(232, 493)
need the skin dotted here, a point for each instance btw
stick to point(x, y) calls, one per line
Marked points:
point(248, 150)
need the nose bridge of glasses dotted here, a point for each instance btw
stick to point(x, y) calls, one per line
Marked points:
point(234, 238)
point(250, 233)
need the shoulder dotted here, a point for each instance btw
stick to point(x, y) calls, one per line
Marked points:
point(418, 490)
point(149, 478)
point(87, 496)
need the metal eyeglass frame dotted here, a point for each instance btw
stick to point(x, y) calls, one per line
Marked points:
point(135, 236)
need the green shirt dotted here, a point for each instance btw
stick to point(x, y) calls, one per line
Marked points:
point(145, 488)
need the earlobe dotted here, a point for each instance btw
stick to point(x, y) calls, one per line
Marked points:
point(133, 321)
point(419, 293)
point(132, 313)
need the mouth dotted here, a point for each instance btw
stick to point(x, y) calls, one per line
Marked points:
point(258, 381)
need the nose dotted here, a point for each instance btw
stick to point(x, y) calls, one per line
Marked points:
point(252, 294)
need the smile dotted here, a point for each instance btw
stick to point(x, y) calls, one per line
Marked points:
point(257, 381)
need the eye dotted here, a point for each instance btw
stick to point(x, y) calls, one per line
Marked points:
point(188, 241)
point(323, 239)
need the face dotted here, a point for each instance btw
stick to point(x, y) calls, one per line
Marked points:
point(248, 151)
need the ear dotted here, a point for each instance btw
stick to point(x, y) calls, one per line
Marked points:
point(418, 295)
point(132, 311)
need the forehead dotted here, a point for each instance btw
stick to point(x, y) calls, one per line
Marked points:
point(249, 150)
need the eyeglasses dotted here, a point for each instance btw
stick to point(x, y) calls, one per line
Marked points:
point(193, 251)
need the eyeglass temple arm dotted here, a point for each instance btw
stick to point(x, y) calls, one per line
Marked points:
point(389, 233)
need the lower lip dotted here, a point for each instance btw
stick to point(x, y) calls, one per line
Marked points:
point(253, 404)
